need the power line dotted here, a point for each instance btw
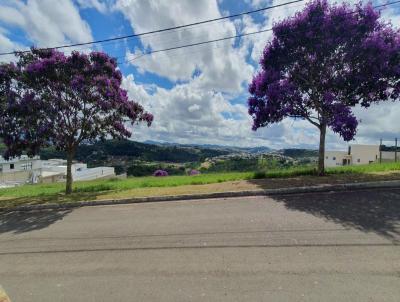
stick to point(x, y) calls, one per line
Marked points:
point(200, 43)
point(159, 30)
point(225, 38)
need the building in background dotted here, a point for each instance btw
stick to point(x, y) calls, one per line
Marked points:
point(361, 155)
point(26, 169)
point(337, 158)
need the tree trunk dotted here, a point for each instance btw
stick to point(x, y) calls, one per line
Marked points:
point(321, 153)
point(68, 187)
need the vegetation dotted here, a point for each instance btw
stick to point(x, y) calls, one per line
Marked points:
point(321, 63)
point(240, 164)
point(146, 169)
point(122, 184)
point(299, 153)
point(113, 188)
point(52, 99)
point(101, 152)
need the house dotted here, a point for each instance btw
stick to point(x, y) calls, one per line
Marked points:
point(364, 154)
point(26, 169)
point(79, 171)
point(18, 171)
point(356, 155)
point(337, 158)
point(22, 163)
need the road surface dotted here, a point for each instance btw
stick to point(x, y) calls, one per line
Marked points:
point(310, 247)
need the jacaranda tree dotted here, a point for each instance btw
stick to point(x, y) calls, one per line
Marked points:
point(321, 63)
point(49, 98)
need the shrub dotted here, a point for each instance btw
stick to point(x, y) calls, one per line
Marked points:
point(259, 175)
point(194, 172)
point(160, 173)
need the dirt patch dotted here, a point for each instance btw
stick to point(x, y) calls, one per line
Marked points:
point(255, 184)
point(229, 186)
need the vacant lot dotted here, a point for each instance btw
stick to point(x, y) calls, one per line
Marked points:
point(172, 185)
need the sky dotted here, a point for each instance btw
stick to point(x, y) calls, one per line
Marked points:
point(196, 94)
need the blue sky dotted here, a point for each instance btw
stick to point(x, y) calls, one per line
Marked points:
point(197, 95)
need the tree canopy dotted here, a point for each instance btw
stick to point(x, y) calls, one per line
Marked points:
point(322, 62)
point(49, 98)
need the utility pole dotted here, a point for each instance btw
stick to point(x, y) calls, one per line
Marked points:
point(395, 150)
point(380, 152)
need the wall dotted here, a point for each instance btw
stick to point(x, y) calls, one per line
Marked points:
point(389, 156)
point(338, 155)
point(364, 154)
point(15, 177)
point(94, 173)
point(19, 165)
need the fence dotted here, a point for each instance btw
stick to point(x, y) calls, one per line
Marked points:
point(389, 153)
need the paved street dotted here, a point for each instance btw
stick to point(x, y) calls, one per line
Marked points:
point(312, 247)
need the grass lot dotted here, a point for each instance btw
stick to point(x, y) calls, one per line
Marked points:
point(150, 186)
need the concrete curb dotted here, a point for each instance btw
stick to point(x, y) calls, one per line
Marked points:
point(266, 192)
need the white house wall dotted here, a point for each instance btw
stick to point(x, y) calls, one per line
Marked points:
point(94, 173)
point(24, 168)
point(364, 154)
point(24, 165)
point(334, 158)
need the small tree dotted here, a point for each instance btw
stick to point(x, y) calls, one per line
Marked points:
point(50, 98)
point(322, 62)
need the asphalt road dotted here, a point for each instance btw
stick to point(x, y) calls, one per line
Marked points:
point(311, 247)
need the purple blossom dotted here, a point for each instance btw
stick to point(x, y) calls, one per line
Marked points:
point(322, 62)
point(53, 99)
point(194, 172)
point(160, 173)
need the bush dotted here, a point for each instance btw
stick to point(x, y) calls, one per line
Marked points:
point(159, 173)
point(259, 175)
point(119, 169)
point(194, 172)
point(147, 169)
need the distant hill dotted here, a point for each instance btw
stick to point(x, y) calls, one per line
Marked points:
point(102, 151)
point(296, 153)
point(229, 149)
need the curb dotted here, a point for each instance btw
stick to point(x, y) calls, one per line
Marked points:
point(266, 192)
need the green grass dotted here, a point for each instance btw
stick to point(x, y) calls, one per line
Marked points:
point(88, 189)
point(122, 184)
point(371, 168)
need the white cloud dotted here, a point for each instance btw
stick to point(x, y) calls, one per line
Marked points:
point(6, 45)
point(197, 108)
point(187, 114)
point(100, 5)
point(45, 22)
point(258, 41)
point(198, 111)
point(222, 66)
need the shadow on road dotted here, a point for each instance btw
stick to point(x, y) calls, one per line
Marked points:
point(21, 222)
point(369, 211)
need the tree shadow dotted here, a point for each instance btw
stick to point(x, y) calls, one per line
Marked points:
point(19, 222)
point(369, 211)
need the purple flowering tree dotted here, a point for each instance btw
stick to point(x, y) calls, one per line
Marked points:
point(322, 62)
point(50, 98)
